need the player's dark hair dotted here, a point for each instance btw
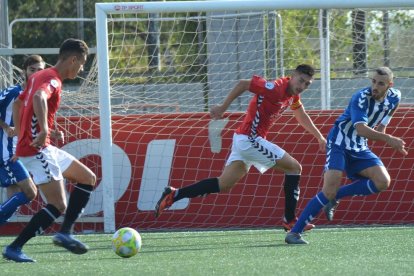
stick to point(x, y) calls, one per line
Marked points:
point(385, 71)
point(305, 69)
point(73, 46)
point(30, 60)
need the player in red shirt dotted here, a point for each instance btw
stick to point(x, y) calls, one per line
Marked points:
point(33, 115)
point(270, 99)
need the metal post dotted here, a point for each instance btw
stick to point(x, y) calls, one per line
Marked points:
point(6, 63)
point(81, 24)
point(106, 146)
point(325, 60)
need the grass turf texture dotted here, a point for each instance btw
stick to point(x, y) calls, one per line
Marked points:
point(337, 251)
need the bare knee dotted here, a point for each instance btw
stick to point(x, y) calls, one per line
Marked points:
point(31, 194)
point(289, 165)
point(331, 183)
point(61, 206)
point(225, 185)
point(91, 179)
point(297, 168)
point(28, 188)
point(382, 183)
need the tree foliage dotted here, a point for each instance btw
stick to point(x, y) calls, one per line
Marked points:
point(300, 35)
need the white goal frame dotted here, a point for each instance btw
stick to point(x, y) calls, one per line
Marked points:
point(102, 10)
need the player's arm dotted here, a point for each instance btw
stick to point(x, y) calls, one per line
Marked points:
point(40, 111)
point(359, 107)
point(383, 125)
point(17, 107)
point(306, 122)
point(217, 111)
point(7, 129)
point(372, 134)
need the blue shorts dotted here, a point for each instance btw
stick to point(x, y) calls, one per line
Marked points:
point(351, 162)
point(12, 173)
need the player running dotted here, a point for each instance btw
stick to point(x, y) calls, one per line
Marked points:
point(250, 146)
point(347, 150)
point(39, 104)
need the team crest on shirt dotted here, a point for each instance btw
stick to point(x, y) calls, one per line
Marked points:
point(269, 85)
point(54, 83)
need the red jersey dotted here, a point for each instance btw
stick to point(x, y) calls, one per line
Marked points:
point(49, 81)
point(269, 102)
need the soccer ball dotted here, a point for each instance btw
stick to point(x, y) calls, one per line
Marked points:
point(126, 242)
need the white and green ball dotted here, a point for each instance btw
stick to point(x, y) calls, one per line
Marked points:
point(126, 242)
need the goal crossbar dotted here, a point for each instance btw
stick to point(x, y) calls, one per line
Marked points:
point(245, 5)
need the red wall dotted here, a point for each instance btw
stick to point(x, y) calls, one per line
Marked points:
point(257, 201)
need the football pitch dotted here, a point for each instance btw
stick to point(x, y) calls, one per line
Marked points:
point(338, 251)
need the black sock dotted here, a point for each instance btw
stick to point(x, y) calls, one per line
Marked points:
point(205, 186)
point(77, 201)
point(36, 226)
point(291, 188)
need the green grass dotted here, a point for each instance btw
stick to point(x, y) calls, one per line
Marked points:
point(336, 251)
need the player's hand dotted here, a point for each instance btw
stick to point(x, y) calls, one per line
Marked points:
point(58, 135)
point(322, 144)
point(216, 112)
point(40, 140)
point(10, 131)
point(14, 158)
point(397, 144)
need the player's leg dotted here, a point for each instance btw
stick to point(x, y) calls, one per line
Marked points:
point(48, 177)
point(334, 166)
point(231, 174)
point(234, 170)
point(20, 188)
point(370, 177)
point(374, 180)
point(332, 179)
point(292, 169)
point(267, 155)
point(54, 194)
point(75, 172)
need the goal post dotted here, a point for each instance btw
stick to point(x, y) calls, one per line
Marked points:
point(105, 120)
point(167, 121)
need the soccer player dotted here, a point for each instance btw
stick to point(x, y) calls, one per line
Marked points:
point(13, 175)
point(250, 146)
point(347, 150)
point(39, 103)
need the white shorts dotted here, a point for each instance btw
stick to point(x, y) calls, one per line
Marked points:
point(48, 164)
point(259, 152)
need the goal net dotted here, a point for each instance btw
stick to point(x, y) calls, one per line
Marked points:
point(168, 63)
point(140, 119)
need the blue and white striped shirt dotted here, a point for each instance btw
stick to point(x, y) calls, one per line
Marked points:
point(7, 97)
point(362, 109)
